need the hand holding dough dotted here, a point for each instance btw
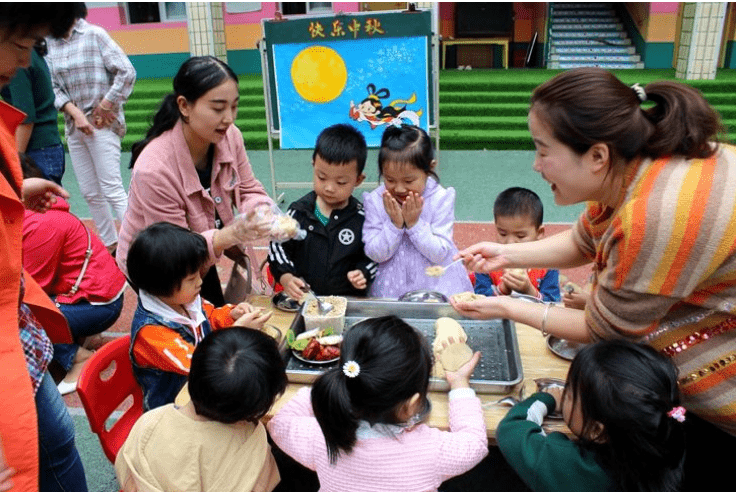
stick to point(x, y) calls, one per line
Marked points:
point(450, 350)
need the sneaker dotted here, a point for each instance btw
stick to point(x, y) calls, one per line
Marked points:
point(66, 388)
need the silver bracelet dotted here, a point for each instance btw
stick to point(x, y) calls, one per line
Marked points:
point(544, 319)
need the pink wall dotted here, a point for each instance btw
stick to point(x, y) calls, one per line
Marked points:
point(664, 7)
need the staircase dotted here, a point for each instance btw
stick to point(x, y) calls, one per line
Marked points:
point(589, 35)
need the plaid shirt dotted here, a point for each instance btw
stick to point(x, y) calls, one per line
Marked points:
point(88, 67)
point(37, 347)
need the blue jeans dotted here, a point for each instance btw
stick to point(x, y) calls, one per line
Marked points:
point(84, 320)
point(59, 466)
point(50, 160)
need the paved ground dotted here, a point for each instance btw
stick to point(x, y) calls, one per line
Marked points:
point(478, 176)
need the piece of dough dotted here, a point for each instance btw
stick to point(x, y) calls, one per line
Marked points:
point(516, 271)
point(467, 297)
point(446, 328)
point(455, 356)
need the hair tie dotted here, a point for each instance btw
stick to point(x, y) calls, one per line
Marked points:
point(677, 413)
point(351, 369)
point(640, 93)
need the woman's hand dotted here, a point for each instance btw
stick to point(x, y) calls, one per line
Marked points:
point(40, 194)
point(103, 115)
point(486, 308)
point(483, 257)
point(461, 377)
point(393, 209)
point(412, 209)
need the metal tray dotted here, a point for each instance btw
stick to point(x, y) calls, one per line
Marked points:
point(498, 371)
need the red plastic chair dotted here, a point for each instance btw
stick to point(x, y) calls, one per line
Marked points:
point(101, 397)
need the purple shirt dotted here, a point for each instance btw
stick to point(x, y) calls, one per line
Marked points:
point(403, 254)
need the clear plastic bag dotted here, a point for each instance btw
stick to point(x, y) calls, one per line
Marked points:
point(272, 222)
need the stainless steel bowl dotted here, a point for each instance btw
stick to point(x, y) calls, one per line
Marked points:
point(423, 296)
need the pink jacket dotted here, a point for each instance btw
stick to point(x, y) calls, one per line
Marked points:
point(165, 186)
point(54, 248)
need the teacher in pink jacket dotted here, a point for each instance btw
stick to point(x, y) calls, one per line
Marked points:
point(192, 169)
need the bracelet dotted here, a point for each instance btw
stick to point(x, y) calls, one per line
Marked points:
point(544, 320)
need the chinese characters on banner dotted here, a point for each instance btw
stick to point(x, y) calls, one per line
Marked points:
point(371, 27)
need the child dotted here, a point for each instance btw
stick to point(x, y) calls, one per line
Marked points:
point(518, 216)
point(165, 263)
point(331, 258)
point(409, 219)
point(621, 401)
point(362, 426)
point(215, 441)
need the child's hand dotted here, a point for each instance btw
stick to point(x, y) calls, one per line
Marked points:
point(461, 377)
point(240, 310)
point(412, 209)
point(557, 393)
point(357, 279)
point(393, 209)
point(254, 319)
point(517, 281)
point(293, 286)
point(6, 473)
point(40, 194)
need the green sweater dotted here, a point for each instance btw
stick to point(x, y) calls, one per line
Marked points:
point(546, 462)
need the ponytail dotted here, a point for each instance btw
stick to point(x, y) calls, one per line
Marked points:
point(164, 120)
point(392, 362)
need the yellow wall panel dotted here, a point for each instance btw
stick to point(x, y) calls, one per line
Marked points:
point(662, 28)
point(242, 36)
point(152, 41)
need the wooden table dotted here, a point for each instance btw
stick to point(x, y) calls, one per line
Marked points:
point(536, 361)
point(503, 42)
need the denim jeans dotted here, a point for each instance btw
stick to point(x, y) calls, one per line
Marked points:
point(50, 160)
point(84, 320)
point(59, 465)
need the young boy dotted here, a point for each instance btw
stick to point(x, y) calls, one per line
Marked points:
point(518, 215)
point(165, 262)
point(331, 259)
point(215, 441)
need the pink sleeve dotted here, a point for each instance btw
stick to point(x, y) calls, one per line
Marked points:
point(467, 442)
point(295, 430)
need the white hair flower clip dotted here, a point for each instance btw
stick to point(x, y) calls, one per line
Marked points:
point(351, 369)
point(640, 93)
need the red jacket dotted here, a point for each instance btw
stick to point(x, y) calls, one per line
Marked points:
point(54, 248)
point(18, 422)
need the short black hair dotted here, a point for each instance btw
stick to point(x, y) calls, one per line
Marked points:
point(407, 144)
point(23, 17)
point(341, 144)
point(519, 202)
point(236, 374)
point(164, 254)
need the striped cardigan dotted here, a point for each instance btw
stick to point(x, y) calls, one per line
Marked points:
point(664, 262)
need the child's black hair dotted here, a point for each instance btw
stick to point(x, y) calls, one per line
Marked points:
point(236, 374)
point(164, 254)
point(407, 144)
point(394, 363)
point(341, 144)
point(516, 201)
point(629, 388)
point(29, 167)
point(196, 76)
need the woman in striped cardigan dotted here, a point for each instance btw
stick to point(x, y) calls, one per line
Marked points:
point(659, 229)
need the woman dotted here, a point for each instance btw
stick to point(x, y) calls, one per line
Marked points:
point(192, 169)
point(72, 266)
point(31, 415)
point(659, 230)
point(92, 78)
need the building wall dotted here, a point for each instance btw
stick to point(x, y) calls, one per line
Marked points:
point(158, 49)
point(653, 29)
point(728, 51)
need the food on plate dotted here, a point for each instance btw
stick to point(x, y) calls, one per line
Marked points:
point(317, 345)
point(449, 347)
point(467, 297)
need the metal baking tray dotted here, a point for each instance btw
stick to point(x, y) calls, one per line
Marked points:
point(497, 372)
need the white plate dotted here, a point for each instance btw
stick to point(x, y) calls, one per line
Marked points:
point(298, 355)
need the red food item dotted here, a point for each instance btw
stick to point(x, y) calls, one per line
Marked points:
point(328, 352)
point(312, 349)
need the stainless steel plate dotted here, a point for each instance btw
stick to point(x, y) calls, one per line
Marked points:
point(285, 303)
point(498, 371)
point(563, 348)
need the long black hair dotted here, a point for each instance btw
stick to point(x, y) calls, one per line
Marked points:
point(629, 388)
point(196, 76)
point(394, 363)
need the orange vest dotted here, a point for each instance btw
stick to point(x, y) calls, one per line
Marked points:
point(18, 422)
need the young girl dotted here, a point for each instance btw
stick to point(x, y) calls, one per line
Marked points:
point(361, 428)
point(621, 401)
point(165, 263)
point(409, 219)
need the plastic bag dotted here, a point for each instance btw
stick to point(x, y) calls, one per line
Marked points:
point(278, 226)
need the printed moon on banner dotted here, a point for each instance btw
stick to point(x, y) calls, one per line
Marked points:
point(369, 84)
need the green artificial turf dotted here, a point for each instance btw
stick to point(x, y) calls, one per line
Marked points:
point(479, 109)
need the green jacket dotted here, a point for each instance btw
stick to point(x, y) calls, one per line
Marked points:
point(547, 462)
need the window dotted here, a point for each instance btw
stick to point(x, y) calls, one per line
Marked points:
point(143, 12)
point(292, 8)
point(319, 7)
point(242, 7)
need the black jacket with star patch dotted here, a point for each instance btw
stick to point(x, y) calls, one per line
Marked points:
point(324, 258)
